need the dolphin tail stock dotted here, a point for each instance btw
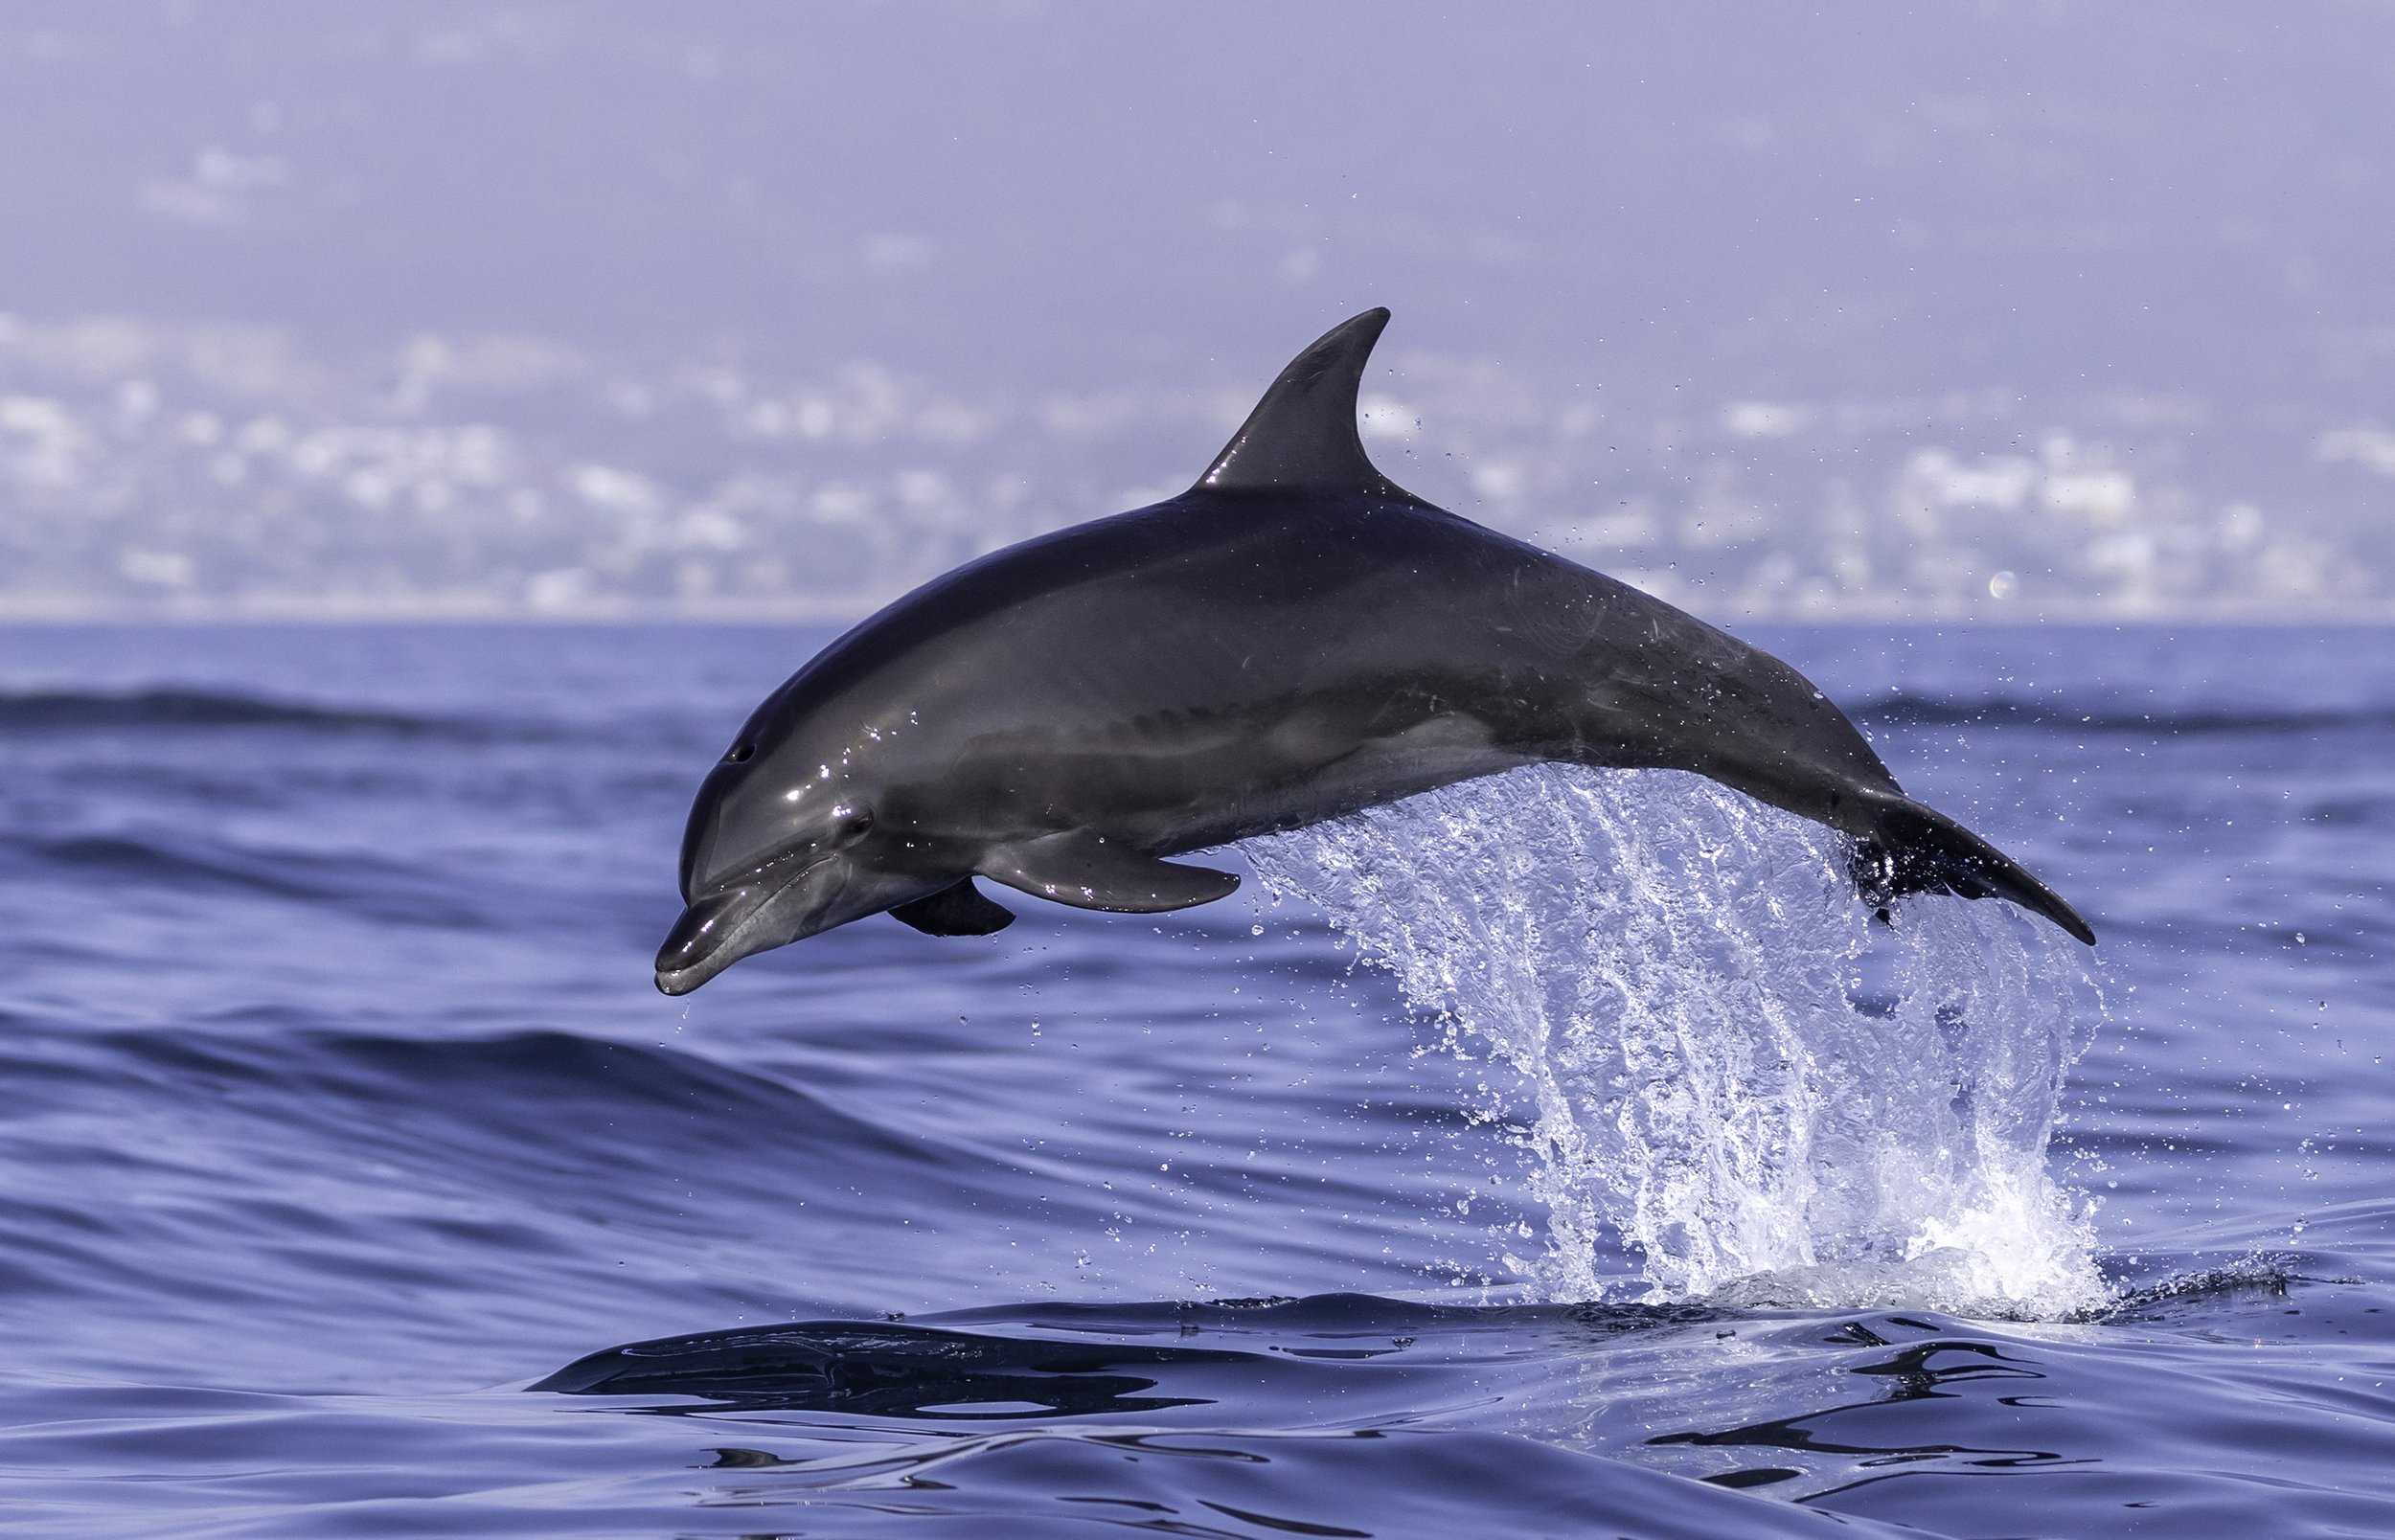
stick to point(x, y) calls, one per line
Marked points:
point(1918, 849)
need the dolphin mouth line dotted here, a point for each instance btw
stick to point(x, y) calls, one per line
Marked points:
point(681, 980)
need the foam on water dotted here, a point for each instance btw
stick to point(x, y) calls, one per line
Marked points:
point(1768, 1098)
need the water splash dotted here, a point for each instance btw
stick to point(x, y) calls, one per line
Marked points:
point(1769, 1099)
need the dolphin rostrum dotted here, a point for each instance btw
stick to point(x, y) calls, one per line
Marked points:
point(1293, 639)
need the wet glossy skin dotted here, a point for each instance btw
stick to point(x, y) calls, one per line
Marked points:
point(1295, 664)
point(1240, 659)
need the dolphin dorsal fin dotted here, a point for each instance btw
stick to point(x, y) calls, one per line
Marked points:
point(1302, 435)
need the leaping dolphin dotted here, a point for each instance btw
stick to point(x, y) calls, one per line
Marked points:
point(1293, 639)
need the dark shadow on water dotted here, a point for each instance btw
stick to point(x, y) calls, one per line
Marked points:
point(887, 1369)
point(979, 1418)
point(1076, 1360)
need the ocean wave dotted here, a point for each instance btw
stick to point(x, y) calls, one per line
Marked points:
point(55, 711)
point(2264, 1274)
point(1284, 1320)
point(1911, 709)
point(580, 1125)
point(359, 883)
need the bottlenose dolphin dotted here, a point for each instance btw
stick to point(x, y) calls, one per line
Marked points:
point(1293, 639)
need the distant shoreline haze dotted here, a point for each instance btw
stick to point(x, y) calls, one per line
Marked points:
point(172, 471)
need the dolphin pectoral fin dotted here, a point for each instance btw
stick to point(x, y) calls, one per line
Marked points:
point(957, 910)
point(1086, 871)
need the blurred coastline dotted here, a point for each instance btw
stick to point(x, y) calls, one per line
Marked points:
point(202, 473)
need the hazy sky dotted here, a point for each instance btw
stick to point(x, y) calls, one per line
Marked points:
point(1738, 196)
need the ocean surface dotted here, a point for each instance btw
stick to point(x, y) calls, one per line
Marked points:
point(1565, 1154)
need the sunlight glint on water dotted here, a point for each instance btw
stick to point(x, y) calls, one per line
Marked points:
point(1769, 1099)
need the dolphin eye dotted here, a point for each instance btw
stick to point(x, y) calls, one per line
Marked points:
point(850, 824)
point(739, 753)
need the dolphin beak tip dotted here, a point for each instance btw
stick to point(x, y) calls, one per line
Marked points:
point(718, 929)
point(693, 950)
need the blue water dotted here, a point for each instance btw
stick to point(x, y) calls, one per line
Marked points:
point(1559, 1155)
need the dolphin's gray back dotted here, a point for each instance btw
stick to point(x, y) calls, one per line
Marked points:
point(1227, 663)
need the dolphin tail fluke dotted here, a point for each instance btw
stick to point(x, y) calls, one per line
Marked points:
point(1918, 849)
